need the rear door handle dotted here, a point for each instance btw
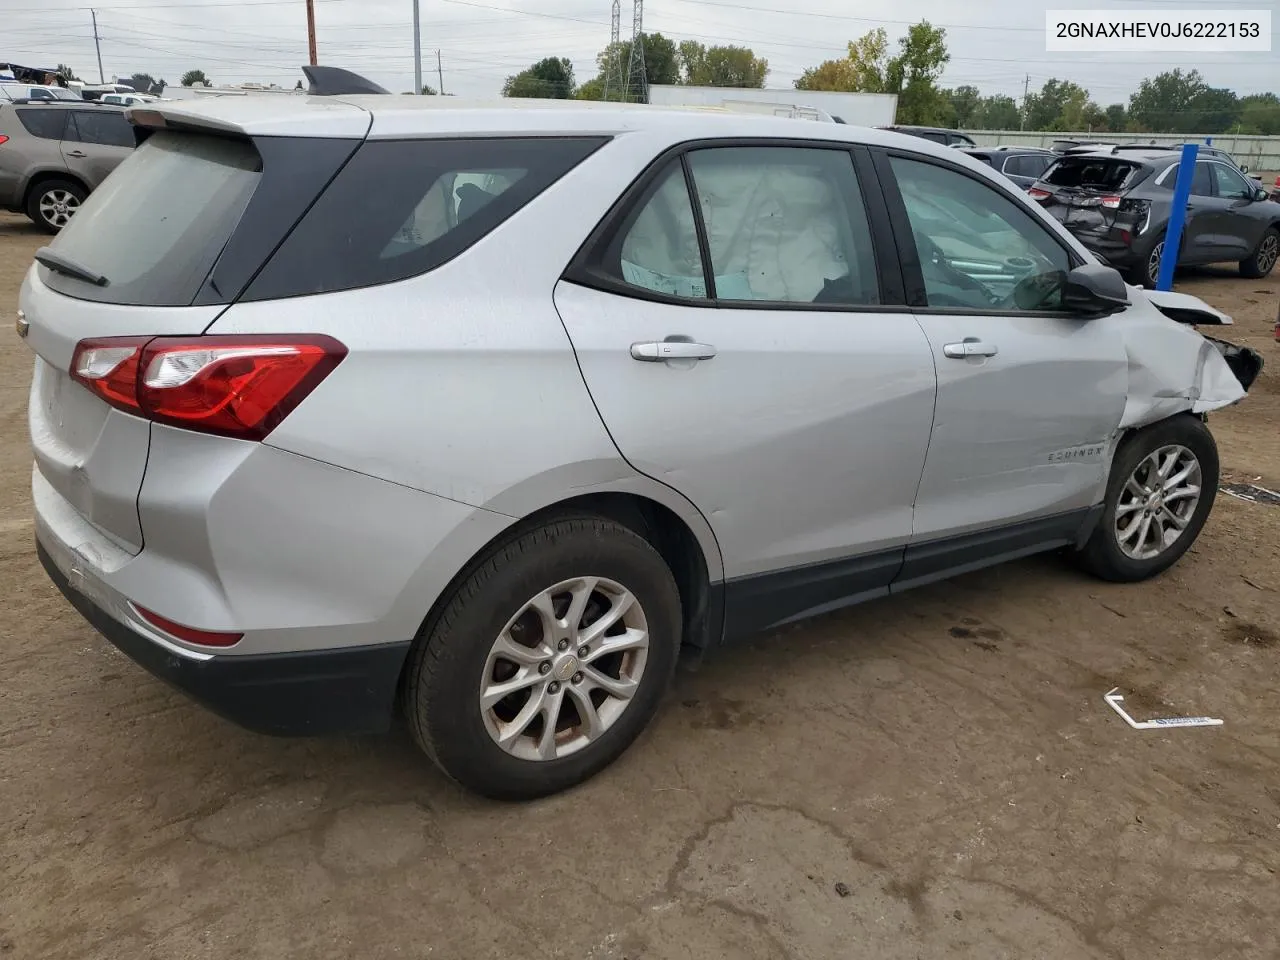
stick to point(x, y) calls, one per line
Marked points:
point(969, 348)
point(77, 154)
point(657, 350)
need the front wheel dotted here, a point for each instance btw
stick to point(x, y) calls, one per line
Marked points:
point(1260, 263)
point(1163, 482)
point(547, 661)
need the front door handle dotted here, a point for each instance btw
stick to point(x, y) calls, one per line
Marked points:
point(969, 348)
point(656, 350)
point(77, 154)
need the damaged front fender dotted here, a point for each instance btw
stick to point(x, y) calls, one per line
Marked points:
point(1174, 369)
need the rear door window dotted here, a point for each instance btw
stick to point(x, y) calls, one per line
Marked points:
point(156, 226)
point(42, 123)
point(1026, 165)
point(400, 208)
point(107, 127)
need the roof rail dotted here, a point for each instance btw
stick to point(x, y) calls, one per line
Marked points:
point(335, 81)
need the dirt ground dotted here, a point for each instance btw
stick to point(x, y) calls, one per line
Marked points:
point(935, 776)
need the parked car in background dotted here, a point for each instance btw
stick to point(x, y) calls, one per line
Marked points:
point(1023, 165)
point(1118, 202)
point(54, 153)
point(1067, 145)
point(254, 356)
point(29, 91)
point(126, 99)
point(943, 135)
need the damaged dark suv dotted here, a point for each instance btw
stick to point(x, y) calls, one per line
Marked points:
point(1118, 202)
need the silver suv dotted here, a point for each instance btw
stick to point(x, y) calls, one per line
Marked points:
point(54, 153)
point(486, 411)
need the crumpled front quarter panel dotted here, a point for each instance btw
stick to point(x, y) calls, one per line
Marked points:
point(1172, 369)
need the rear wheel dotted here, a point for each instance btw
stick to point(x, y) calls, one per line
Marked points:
point(1260, 263)
point(53, 203)
point(1147, 273)
point(547, 661)
point(1163, 483)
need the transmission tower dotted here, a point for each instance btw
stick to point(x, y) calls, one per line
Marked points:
point(636, 86)
point(613, 68)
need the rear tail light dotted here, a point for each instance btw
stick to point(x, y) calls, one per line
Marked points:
point(233, 386)
point(3, 138)
point(1035, 193)
point(204, 638)
point(1111, 203)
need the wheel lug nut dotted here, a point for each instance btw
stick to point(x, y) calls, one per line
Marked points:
point(553, 687)
point(577, 677)
point(563, 645)
point(583, 651)
point(544, 666)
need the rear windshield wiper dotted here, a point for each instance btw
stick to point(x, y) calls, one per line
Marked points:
point(57, 262)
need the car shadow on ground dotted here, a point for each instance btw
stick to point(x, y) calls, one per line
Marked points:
point(20, 228)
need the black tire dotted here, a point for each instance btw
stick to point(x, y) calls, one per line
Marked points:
point(52, 188)
point(1263, 259)
point(1102, 555)
point(445, 670)
point(1143, 274)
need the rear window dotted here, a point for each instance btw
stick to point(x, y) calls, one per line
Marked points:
point(1091, 173)
point(402, 207)
point(157, 224)
point(46, 124)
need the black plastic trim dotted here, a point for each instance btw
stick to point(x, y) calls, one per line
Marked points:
point(940, 559)
point(343, 691)
point(584, 267)
point(767, 601)
point(762, 602)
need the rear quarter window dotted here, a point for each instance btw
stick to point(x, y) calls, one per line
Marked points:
point(400, 208)
point(45, 124)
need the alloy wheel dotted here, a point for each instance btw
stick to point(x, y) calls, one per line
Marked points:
point(1268, 253)
point(564, 668)
point(1153, 263)
point(1157, 502)
point(57, 207)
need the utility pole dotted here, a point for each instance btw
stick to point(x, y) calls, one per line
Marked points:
point(1022, 119)
point(613, 69)
point(417, 52)
point(636, 78)
point(439, 72)
point(101, 77)
point(311, 30)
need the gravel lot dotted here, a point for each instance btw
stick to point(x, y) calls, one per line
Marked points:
point(935, 776)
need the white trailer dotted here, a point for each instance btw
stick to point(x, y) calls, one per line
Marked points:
point(858, 109)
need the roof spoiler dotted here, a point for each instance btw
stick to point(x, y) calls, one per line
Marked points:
point(335, 81)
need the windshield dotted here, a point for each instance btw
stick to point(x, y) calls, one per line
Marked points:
point(157, 224)
point(60, 93)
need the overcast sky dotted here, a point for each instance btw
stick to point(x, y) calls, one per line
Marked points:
point(994, 44)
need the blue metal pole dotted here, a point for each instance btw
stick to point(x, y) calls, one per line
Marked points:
point(1173, 233)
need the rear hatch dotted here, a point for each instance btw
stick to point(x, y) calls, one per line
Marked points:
point(1088, 194)
point(160, 249)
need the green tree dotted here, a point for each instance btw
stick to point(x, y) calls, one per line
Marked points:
point(142, 82)
point(862, 70)
point(193, 78)
point(966, 102)
point(1115, 118)
point(65, 72)
point(729, 66)
point(1045, 110)
point(914, 72)
point(1260, 114)
point(551, 78)
point(997, 113)
point(661, 65)
point(428, 90)
point(1178, 102)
